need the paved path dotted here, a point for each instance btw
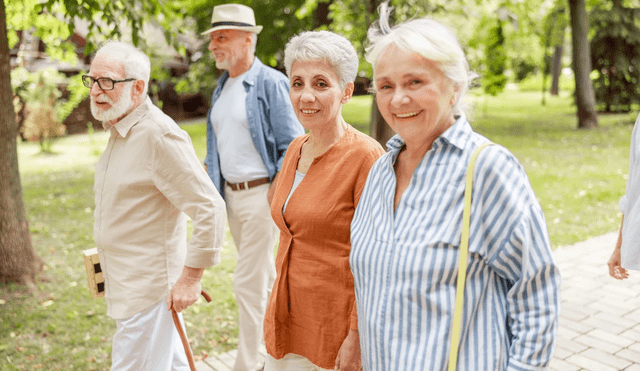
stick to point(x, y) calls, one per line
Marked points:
point(600, 316)
point(223, 362)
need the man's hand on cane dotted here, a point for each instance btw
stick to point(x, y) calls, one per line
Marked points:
point(187, 289)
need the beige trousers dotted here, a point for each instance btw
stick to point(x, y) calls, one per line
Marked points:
point(291, 362)
point(254, 234)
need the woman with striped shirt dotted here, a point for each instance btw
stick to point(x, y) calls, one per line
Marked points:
point(406, 231)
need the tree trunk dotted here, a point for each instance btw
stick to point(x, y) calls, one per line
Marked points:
point(585, 98)
point(18, 260)
point(556, 69)
point(322, 14)
point(380, 131)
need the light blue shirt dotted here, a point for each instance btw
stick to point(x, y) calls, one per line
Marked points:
point(272, 121)
point(404, 263)
point(630, 207)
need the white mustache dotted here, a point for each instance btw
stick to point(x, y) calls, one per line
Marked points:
point(103, 98)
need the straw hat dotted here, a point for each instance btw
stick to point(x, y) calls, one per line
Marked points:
point(233, 17)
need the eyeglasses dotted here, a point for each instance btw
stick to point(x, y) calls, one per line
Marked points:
point(104, 83)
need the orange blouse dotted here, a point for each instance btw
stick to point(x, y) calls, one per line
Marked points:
point(312, 305)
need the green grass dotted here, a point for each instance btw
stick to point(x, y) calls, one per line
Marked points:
point(358, 113)
point(533, 83)
point(578, 176)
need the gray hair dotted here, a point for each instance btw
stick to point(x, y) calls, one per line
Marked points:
point(136, 63)
point(431, 40)
point(254, 42)
point(325, 45)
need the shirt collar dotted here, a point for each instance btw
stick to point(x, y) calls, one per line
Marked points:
point(457, 135)
point(250, 75)
point(124, 126)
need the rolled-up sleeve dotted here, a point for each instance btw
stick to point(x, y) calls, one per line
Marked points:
point(180, 177)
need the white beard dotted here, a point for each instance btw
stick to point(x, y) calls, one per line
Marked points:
point(116, 110)
point(223, 64)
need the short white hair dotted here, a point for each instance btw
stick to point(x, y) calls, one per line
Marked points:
point(254, 42)
point(136, 64)
point(324, 45)
point(430, 39)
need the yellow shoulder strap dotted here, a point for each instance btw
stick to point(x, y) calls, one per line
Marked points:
point(462, 262)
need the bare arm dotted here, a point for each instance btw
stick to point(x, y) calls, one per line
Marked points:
point(615, 270)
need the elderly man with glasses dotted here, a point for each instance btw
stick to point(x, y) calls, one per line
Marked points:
point(146, 180)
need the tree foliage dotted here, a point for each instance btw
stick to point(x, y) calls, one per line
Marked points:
point(494, 79)
point(40, 92)
point(615, 56)
point(281, 19)
point(474, 21)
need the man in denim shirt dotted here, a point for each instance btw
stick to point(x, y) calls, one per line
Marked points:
point(249, 127)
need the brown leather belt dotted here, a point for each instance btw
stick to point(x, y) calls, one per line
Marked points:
point(249, 184)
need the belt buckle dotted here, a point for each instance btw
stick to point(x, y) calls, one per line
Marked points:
point(243, 185)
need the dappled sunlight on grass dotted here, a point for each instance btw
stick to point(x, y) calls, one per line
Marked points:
point(68, 152)
point(578, 175)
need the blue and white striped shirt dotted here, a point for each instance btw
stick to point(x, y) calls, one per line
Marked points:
point(405, 263)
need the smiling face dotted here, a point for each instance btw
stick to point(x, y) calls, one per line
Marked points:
point(316, 95)
point(414, 96)
point(109, 105)
point(229, 47)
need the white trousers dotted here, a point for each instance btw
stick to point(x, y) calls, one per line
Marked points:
point(291, 362)
point(254, 234)
point(148, 341)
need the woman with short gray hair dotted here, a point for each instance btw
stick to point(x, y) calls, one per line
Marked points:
point(324, 45)
point(311, 322)
point(416, 310)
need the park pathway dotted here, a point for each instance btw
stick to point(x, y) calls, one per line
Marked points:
point(599, 321)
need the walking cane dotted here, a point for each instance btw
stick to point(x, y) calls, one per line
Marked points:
point(183, 336)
